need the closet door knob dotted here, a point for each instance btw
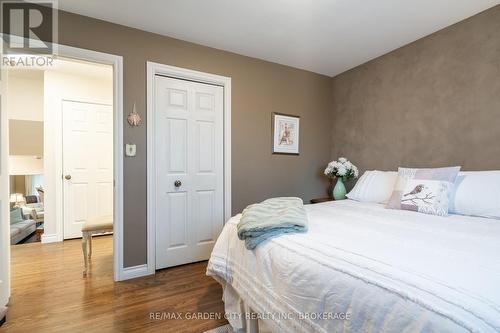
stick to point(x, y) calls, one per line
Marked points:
point(177, 183)
point(67, 177)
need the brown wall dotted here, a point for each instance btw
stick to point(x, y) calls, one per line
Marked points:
point(258, 89)
point(434, 102)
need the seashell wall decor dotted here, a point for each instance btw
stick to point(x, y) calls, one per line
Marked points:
point(133, 118)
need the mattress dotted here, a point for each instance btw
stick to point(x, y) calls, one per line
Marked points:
point(364, 268)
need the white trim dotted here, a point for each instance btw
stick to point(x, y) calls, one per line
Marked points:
point(49, 238)
point(187, 74)
point(4, 192)
point(117, 63)
point(135, 272)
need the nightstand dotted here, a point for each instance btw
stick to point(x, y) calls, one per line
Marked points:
point(320, 200)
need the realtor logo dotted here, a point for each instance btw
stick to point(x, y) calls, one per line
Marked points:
point(29, 27)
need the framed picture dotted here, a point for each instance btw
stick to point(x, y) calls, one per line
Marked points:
point(285, 134)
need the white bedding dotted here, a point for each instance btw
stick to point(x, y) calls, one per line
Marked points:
point(391, 270)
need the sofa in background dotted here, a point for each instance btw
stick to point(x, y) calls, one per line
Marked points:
point(20, 226)
point(33, 208)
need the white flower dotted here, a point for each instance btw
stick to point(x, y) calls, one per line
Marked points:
point(333, 164)
point(341, 171)
point(356, 171)
point(342, 168)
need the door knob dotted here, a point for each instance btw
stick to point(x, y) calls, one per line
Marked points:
point(67, 177)
point(177, 183)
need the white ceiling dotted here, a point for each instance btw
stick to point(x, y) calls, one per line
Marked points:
point(323, 36)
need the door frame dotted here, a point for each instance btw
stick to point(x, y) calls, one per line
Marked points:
point(116, 62)
point(153, 69)
point(4, 194)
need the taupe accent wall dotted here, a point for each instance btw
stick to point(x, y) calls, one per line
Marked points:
point(258, 89)
point(435, 102)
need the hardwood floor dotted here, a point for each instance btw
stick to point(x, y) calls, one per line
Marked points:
point(49, 293)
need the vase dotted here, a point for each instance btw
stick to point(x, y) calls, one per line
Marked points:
point(339, 191)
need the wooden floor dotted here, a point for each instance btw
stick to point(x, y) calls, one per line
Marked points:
point(49, 293)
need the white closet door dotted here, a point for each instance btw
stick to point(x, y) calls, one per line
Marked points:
point(87, 164)
point(189, 170)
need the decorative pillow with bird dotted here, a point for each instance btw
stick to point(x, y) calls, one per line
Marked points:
point(406, 174)
point(427, 196)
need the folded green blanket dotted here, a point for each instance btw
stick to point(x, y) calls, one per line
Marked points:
point(271, 218)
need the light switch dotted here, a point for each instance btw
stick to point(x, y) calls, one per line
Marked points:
point(130, 150)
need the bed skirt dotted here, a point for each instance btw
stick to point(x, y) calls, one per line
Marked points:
point(239, 313)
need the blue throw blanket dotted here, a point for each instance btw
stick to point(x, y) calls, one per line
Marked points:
point(270, 218)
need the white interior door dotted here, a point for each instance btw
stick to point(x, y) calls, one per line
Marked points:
point(188, 122)
point(87, 164)
point(4, 197)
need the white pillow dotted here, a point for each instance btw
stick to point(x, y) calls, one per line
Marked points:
point(355, 194)
point(476, 193)
point(374, 186)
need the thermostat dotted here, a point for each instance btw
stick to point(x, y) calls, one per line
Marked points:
point(130, 150)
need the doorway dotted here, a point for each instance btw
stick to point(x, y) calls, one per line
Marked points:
point(60, 122)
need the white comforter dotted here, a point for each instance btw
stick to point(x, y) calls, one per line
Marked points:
point(390, 270)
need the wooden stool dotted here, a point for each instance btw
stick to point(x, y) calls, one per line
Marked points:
point(93, 226)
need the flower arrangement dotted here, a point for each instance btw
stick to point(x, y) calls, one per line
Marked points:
point(342, 168)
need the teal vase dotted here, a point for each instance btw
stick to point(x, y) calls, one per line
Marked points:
point(339, 191)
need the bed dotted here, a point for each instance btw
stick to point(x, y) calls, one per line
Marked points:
point(364, 268)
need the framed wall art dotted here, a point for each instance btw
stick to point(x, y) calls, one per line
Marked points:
point(285, 134)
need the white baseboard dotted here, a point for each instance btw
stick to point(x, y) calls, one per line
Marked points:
point(49, 238)
point(134, 272)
